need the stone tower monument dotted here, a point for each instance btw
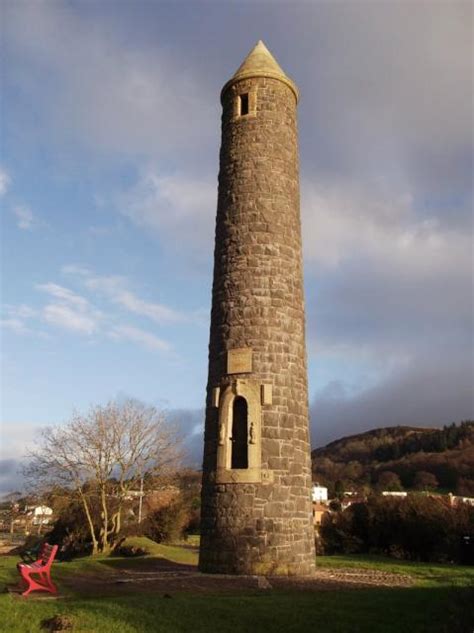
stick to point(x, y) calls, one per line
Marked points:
point(256, 496)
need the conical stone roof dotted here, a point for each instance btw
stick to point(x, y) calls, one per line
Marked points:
point(261, 63)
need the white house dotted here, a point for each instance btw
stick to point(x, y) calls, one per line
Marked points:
point(319, 493)
point(42, 515)
point(456, 500)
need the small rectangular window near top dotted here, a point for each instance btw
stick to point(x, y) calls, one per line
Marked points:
point(244, 104)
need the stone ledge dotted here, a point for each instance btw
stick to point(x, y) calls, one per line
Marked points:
point(243, 476)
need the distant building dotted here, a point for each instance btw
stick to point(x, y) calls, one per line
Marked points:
point(350, 501)
point(165, 494)
point(319, 493)
point(42, 515)
point(319, 510)
point(34, 515)
point(455, 500)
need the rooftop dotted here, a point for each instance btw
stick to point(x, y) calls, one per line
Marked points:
point(261, 63)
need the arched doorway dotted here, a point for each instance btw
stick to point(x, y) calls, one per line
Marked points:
point(240, 458)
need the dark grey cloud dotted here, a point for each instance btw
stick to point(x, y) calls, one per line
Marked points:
point(11, 477)
point(190, 424)
point(383, 84)
point(388, 88)
point(365, 306)
point(430, 391)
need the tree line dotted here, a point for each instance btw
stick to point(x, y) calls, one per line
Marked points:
point(419, 528)
point(435, 441)
point(356, 462)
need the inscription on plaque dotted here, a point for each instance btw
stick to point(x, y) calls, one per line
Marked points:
point(239, 361)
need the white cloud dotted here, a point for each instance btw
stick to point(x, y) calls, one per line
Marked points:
point(16, 317)
point(24, 217)
point(15, 325)
point(5, 181)
point(26, 312)
point(180, 209)
point(388, 286)
point(136, 335)
point(343, 222)
point(70, 311)
point(115, 289)
point(120, 98)
point(64, 294)
point(69, 319)
point(73, 312)
point(17, 439)
point(21, 311)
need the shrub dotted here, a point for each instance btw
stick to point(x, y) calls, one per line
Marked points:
point(416, 528)
point(71, 530)
point(168, 523)
point(131, 551)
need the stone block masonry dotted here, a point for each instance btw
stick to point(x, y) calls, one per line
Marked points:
point(256, 496)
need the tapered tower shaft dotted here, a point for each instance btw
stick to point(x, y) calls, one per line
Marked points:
point(256, 505)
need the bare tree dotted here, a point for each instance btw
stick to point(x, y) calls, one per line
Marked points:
point(102, 455)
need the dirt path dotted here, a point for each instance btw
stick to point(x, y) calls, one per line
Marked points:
point(165, 577)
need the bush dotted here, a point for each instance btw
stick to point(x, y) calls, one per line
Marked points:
point(71, 530)
point(31, 546)
point(415, 528)
point(168, 523)
point(131, 551)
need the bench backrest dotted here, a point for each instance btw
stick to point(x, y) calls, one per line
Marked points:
point(48, 552)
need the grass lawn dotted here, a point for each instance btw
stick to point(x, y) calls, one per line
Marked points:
point(425, 574)
point(186, 553)
point(440, 601)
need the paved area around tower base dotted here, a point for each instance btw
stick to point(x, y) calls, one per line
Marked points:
point(165, 577)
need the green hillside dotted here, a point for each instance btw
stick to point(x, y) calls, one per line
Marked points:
point(401, 457)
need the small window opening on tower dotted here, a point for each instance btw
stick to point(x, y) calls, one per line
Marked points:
point(244, 104)
point(240, 458)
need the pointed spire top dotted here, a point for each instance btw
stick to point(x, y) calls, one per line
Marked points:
point(259, 59)
point(261, 63)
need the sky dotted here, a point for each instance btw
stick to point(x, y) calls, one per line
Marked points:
point(110, 132)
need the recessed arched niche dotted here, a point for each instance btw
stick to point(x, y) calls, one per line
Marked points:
point(239, 451)
point(239, 437)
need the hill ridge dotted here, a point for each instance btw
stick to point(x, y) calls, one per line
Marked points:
point(414, 429)
point(444, 456)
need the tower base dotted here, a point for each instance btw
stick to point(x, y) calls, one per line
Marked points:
point(234, 542)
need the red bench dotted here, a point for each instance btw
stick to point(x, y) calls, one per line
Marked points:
point(41, 568)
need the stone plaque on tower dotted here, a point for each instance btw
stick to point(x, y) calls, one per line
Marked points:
point(239, 361)
point(256, 494)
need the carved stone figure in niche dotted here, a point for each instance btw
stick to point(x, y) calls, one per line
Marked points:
point(251, 434)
